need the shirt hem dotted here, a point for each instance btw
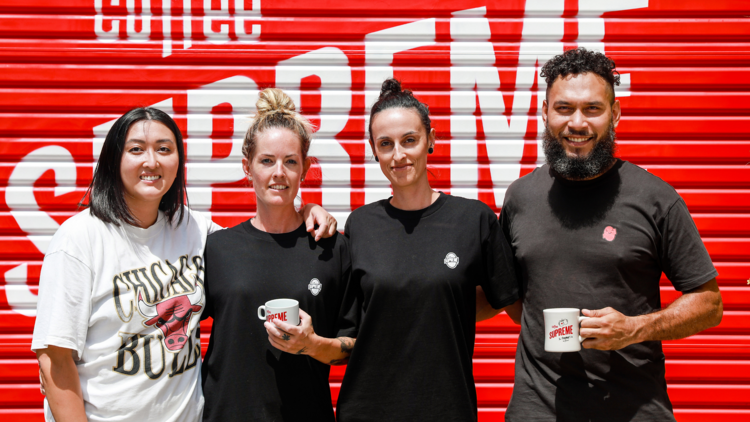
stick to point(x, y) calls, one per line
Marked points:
point(696, 282)
point(57, 342)
point(347, 333)
point(510, 300)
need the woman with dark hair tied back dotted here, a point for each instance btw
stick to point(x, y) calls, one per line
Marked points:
point(277, 372)
point(427, 266)
point(121, 287)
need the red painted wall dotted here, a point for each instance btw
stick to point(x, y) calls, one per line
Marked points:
point(68, 69)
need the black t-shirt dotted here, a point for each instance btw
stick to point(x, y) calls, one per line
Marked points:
point(592, 244)
point(417, 272)
point(244, 377)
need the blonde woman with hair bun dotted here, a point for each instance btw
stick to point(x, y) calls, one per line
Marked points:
point(274, 371)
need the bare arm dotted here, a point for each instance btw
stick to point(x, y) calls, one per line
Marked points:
point(302, 340)
point(486, 311)
point(514, 311)
point(61, 383)
point(315, 214)
point(694, 311)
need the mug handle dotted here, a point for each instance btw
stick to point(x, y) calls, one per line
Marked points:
point(581, 318)
point(262, 308)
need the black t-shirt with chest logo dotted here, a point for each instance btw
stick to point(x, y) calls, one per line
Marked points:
point(417, 273)
point(593, 244)
point(244, 377)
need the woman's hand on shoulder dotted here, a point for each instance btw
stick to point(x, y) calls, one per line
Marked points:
point(315, 214)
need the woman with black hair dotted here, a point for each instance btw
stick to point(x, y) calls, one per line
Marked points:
point(421, 260)
point(120, 291)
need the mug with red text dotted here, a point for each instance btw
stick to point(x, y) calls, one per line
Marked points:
point(562, 327)
point(286, 310)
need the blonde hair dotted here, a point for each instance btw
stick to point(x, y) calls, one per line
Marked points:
point(277, 110)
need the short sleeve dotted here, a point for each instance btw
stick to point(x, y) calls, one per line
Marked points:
point(347, 228)
point(206, 220)
point(208, 307)
point(685, 260)
point(348, 323)
point(351, 305)
point(213, 227)
point(499, 284)
point(504, 221)
point(64, 303)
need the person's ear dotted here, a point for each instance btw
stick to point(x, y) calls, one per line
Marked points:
point(374, 153)
point(544, 111)
point(616, 113)
point(246, 168)
point(305, 167)
point(431, 138)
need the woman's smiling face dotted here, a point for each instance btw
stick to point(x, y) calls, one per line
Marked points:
point(400, 142)
point(149, 163)
point(277, 168)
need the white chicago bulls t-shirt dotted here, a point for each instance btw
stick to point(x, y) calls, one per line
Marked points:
point(128, 301)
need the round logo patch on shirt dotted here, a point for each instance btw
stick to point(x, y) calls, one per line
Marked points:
point(609, 233)
point(451, 260)
point(315, 286)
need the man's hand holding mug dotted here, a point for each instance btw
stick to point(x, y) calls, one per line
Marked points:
point(608, 329)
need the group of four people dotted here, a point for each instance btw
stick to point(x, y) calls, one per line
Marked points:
point(125, 283)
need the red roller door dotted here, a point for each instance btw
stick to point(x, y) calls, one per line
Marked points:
point(70, 68)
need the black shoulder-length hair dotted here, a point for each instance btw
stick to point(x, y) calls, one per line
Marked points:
point(106, 193)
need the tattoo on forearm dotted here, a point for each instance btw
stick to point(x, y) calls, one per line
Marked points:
point(285, 337)
point(346, 345)
point(302, 350)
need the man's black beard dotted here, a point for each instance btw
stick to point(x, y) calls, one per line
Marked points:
point(589, 166)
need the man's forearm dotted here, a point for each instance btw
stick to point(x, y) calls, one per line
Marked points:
point(691, 313)
point(694, 311)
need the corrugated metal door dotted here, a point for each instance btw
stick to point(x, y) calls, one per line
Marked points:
point(70, 68)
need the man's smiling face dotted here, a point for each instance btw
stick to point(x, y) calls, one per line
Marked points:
point(579, 114)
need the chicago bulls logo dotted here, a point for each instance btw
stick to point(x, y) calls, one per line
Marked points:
point(172, 316)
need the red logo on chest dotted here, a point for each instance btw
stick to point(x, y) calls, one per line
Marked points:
point(609, 233)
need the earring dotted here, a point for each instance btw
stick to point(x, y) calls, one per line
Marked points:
point(376, 159)
point(430, 150)
point(303, 179)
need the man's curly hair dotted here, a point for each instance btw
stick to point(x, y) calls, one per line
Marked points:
point(580, 60)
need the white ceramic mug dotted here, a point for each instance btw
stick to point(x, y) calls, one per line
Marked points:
point(286, 310)
point(562, 330)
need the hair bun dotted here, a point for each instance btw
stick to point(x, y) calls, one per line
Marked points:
point(272, 101)
point(390, 87)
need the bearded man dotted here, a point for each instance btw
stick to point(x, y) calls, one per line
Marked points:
point(593, 232)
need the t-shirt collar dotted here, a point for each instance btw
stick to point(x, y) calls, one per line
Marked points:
point(300, 231)
point(149, 232)
point(414, 214)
